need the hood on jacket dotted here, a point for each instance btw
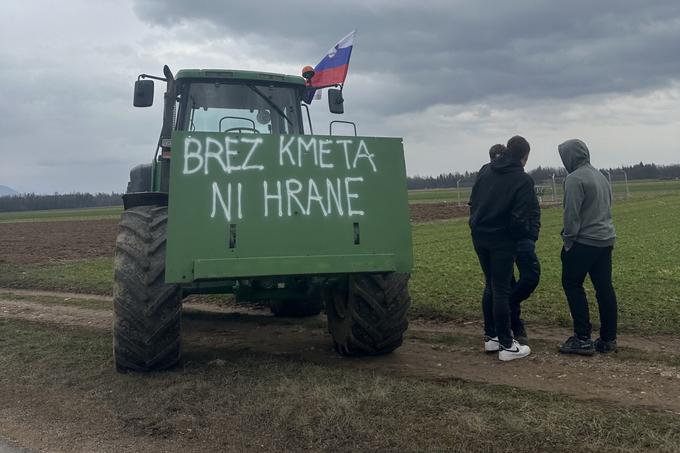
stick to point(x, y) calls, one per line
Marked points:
point(574, 154)
point(506, 164)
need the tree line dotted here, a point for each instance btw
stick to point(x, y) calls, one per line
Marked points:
point(637, 171)
point(34, 202)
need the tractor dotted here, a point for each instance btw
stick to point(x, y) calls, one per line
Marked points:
point(242, 198)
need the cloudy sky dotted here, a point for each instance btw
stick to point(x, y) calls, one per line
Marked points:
point(451, 77)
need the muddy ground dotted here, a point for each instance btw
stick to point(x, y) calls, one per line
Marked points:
point(645, 372)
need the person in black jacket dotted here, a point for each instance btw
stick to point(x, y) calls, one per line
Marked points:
point(527, 264)
point(501, 201)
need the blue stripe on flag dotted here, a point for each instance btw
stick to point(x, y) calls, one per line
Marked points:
point(340, 58)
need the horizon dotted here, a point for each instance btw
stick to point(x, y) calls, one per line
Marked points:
point(451, 79)
point(425, 177)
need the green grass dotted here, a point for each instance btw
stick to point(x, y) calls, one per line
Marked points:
point(81, 276)
point(112, 212)
point(447, 281)
point(79, 302)
point(260, 402)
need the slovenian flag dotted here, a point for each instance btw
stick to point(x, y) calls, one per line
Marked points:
point(332, 69)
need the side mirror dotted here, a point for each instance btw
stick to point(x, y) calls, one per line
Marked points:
point(143, 93)
point(335, 101)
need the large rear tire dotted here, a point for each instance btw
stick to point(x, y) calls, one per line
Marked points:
point(367, 315)
point(147, 312)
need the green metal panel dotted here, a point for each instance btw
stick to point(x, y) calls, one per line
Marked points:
point(239, 75)
point(254, 205)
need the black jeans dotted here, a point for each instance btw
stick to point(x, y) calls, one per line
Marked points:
point(496, 259)
point(529, 276)
point(597, 262)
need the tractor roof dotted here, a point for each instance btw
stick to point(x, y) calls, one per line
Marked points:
point(235, 74)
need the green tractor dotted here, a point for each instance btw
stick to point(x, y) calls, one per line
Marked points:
point(240, 199)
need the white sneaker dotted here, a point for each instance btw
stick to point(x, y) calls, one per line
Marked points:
point(517, 351)
point(491, 344)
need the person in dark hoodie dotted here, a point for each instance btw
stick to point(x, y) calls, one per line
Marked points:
point(528, 266)
point(500, 202)
point(588, 238)
point(496, 151)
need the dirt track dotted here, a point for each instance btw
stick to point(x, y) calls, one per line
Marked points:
point(644, 373)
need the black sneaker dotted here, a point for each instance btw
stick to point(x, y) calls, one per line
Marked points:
point(605, 346)
point(575, 345)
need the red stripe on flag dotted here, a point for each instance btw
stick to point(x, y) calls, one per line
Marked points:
point(330, 77)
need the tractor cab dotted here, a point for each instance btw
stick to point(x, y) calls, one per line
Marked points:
point(239, 101)
point(232, 101)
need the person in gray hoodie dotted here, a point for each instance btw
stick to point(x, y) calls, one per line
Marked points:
point(588, 238)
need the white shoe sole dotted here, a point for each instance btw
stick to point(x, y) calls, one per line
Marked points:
point(512, 355)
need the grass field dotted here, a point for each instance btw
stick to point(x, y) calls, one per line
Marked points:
point(62, 214)
point(447, 280)
point(82, 276)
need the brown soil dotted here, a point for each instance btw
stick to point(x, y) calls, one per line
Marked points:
point(42, 242)
point(644, 373)
point(426, 212)
point(39, 242)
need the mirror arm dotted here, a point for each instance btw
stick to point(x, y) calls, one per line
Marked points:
point(147, 76)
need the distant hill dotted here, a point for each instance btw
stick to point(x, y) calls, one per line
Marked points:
point(5, 191)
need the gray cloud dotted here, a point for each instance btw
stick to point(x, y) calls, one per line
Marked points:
point(451, 77)
point(457, 52)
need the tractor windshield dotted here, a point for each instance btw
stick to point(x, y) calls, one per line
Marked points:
point(241, 108)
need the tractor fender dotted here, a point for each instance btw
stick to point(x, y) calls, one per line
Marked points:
point(132, 200)
point(140, 179)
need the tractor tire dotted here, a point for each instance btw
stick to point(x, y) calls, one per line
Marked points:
point(147, 311)
point(296, 308)
point(367, 315)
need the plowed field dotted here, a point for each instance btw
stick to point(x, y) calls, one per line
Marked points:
point(41, 242)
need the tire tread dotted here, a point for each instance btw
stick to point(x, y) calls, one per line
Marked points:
point(147, 311)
